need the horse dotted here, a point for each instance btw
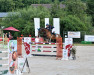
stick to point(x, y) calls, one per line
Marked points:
point(46, 34)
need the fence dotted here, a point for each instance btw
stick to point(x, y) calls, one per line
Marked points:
point(3, 42)
point(4, 71)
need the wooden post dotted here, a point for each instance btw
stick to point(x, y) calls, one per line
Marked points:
point(59, 48)
point(19, 46)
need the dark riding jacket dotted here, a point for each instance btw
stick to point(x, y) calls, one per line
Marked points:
point(50, 28)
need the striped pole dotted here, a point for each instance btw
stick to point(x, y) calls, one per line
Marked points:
point(4, 58)
point(41, 43)
point(4, 72)
point(43, 47)
point(1, 65)
point(3, 40)
point(3, 51)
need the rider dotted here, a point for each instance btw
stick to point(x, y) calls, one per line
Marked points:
point(49, 27)
point(53, 31)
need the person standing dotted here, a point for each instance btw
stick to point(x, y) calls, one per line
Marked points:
point(10, 36)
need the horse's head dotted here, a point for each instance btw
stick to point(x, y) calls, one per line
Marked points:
point(42, 32)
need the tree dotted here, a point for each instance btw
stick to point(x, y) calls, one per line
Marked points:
point(74, 17)
point(6, 5)
point(23, 20)
point(12, 5)
point(90, 10)
point(76, 8)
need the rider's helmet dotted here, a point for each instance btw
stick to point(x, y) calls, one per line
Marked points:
point(47, 24)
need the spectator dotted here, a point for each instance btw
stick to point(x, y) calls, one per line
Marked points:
point(10, 36)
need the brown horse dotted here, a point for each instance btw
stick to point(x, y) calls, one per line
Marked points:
point(46, 34)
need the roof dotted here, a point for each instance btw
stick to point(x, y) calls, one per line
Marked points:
point(46, 5)
point(11, 29)
point(3, 14)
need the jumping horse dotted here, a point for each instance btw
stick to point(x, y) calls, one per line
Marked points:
point(46, 34)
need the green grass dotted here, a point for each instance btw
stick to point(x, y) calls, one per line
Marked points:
point(83, 44)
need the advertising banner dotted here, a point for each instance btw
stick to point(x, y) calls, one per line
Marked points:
point(65, 54)
point(67, 47)
point(68, 41)
point(12, 56)
point(72, 34)
point(27, 45)
point(89, 38)
point(27, 39)
point(20, 63)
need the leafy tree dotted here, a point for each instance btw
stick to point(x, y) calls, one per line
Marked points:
point(6, 5)
point(72, 18)
point(78, 9)
point(23, 20)
point(73, 23)
point(11, 5)
point(90, 10)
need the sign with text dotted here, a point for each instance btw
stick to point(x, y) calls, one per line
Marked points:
point(89, 38)
point(65, 54)
point(68, 41)
point(27, 39)
point(72, 34)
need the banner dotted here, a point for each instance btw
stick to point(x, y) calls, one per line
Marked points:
point(89, 38)
point(12, 56)
point(27, 39)
point(27, 45)
point(68, 41)
point(65, 54)
point(72, 34)
point(20, 63)
point(56, 24)
point(37, 25)
point(67, 47)
point(46, 21)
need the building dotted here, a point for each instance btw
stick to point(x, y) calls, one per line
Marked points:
point(47, 5)
point(2, 15)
